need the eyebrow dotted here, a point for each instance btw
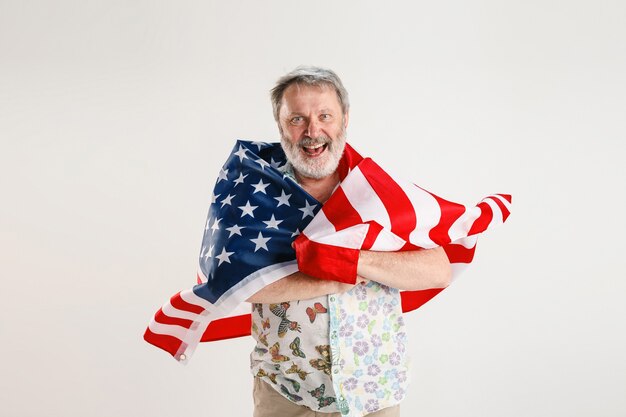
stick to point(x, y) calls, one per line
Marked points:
point(324, 110)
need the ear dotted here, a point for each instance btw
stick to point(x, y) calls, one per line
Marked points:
point(346, 119)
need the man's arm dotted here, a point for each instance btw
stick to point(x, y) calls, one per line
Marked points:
point(408, 270)
point(297, 286)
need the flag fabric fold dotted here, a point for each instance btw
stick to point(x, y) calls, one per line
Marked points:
point(257, 212)
point(371, 210)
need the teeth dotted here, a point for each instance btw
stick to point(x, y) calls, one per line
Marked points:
point(315, 146)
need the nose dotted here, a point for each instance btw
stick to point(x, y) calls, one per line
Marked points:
point(313, 129)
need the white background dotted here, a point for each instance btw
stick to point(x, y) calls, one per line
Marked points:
point(115, 117)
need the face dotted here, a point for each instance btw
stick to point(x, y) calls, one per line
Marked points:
point(313, 129)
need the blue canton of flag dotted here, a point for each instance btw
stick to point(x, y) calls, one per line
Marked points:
point(255, 214)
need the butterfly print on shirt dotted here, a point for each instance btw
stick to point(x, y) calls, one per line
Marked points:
point(280, 310)
point(296, 370)
point(292, 397)
point(323, 363)
point(318, 394)
point(312, 312)
point(277, 357)
point(295, 348)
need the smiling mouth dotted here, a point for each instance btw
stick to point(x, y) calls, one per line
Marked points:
point(315, 150)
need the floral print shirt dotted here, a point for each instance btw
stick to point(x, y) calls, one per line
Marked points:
point(337, 353)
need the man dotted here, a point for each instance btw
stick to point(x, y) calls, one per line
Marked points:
point(332, 348)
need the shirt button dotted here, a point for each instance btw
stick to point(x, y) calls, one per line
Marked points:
point(334, 335)
point(336, 370)
point(332, 299)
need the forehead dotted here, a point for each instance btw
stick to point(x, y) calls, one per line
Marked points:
point(303, 97)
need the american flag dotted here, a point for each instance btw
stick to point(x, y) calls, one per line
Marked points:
point(256, 212)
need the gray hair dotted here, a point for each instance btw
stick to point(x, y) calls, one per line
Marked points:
point(304, 75)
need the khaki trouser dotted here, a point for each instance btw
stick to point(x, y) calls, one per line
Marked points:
point(269, 403)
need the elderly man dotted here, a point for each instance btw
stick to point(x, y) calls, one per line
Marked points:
point(325, 347)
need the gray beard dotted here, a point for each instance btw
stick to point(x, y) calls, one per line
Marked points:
point(311, 168)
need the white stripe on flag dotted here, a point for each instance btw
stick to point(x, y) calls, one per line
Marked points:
point(351, 238)
point(388, 241)
point(241, 309)
point(426, 208)
point(319, 226)
point(171, 311)
point(173, 330)
point(467, 242)
point(503, 200)
point(364, 200)
point(463, 224)
point(250, 285)
point(190, 297)
point(497, 212)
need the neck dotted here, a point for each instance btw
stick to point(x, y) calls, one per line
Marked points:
point(320, 189)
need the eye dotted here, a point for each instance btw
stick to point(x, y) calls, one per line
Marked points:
point(325, 117)
point(296, 120)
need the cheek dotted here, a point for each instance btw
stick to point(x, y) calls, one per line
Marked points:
point(336, 131)
point(294, 133)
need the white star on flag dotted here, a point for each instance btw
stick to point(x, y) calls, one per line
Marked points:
point(227, 200)
point(208, 253)
point(240, 179)
point(307, 210)
point(259, 144)
point(215, 227)
point(272, 223)
point(260, 242)
point(241, 153)
point(214, 198)
point(247, 209)
point(235, 230)
point(223, 175)
point(260, 187)
point(275, 164)
point(223, 257)
point(283, 199)
point(296, 233)
point(263, 163)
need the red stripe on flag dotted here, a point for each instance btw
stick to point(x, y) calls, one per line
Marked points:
point(412, 300)
point(180, 304)
point(167, 343)
point(503, 209)
point(340, 212)
point(228, 328)
point(161, 317)
point(410, 246)
point(372, 233)
point(450, 212)
point(483, 221)
point(349, 160)
point(507, 197)
point(459, 254)
point(401, 211)
point(339, 264)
